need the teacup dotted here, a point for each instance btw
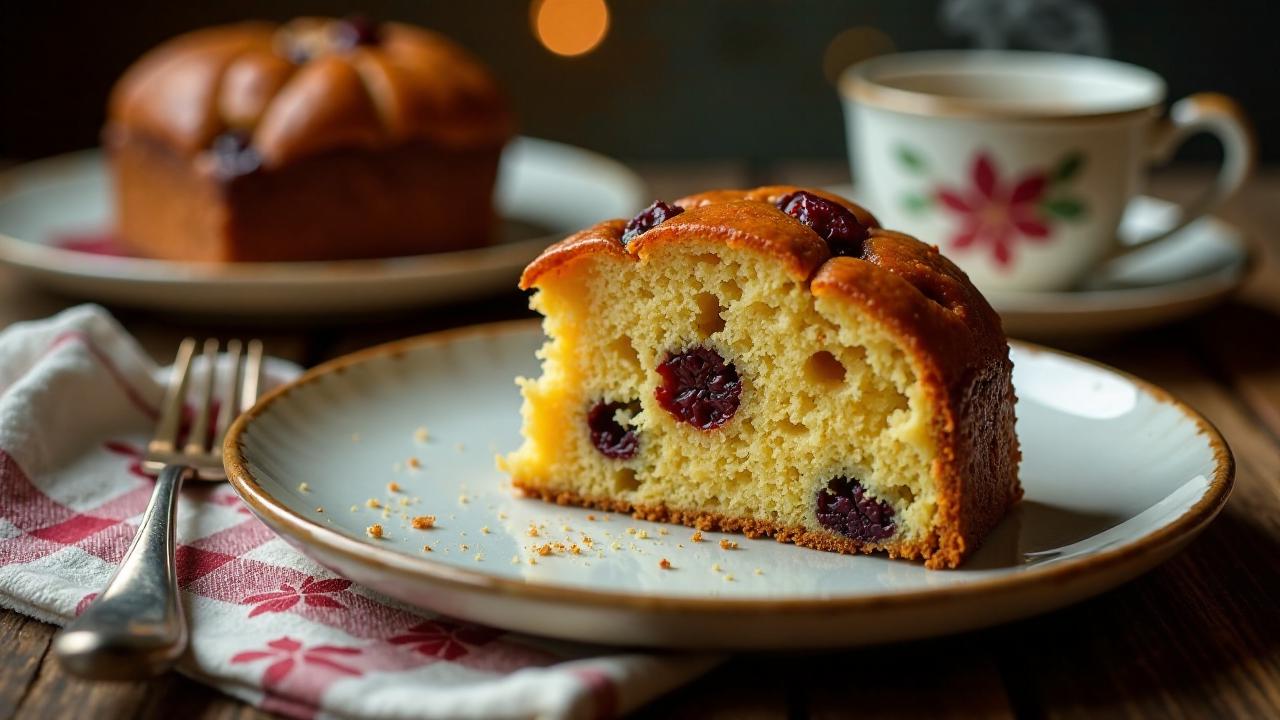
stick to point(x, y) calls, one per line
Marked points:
point(1019, 165)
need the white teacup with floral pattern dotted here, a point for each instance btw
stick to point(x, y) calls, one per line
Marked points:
point(1019, 165)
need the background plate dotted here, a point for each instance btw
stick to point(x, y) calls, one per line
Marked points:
point(545, 191)
point(1118, 476)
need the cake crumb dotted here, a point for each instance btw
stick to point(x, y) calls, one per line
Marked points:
point(479, 557)
point(464, 547)
point(728, 544)
point(319, 509)
point(757, 571)
point(374, 530)
point(404, 502)
point(355, 508)
point(696, 537)
point(715, 567)
point(643, 534)
point(728, 578)
point(413, 463)
point(423, 522)
point(631, 531)
point(665, 564)
point(485, 529)
point(515, 559)
point(615, 545)
point(373, 503)
point(502, 515)
point(663, 531)
point(421, 434)
point(575, 549)
point(533, 561)
point(393, 487)
point(566, 528)
point(303, 487)
point(592, 518)
point(545, 550)
point(463, 499)
point(427, 548)
point(533, 530)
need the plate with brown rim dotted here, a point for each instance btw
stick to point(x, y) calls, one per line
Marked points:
point(56, 230)
point(1119, 476)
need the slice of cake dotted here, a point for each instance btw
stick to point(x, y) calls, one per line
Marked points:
point(319, 139)
point(771, 362)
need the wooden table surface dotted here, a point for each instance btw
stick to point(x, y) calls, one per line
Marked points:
point(1197, 637)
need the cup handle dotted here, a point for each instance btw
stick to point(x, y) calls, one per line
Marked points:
point(1217, 115)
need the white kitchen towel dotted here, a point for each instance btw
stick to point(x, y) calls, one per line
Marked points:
point(78, 399)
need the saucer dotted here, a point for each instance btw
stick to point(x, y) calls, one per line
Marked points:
point(1195, 269)
point(55, 222)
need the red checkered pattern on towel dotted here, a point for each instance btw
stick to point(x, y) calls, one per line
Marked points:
point(77, 399)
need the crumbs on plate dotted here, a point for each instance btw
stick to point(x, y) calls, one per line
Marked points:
point(374, 530)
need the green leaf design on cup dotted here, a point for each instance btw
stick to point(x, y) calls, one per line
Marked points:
point(916, 202)
point(1063, 208)
point(1068, 167)
point(910, 159)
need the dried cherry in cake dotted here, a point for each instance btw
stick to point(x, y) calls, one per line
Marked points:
point(355, 30)
point(831, 220)
point(699, 387)
point(608, 435)
point(649, 218)
point(234, 155)
point(845, 507)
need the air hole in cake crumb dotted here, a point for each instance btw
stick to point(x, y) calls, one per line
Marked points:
point(708, 258)
point(709, 309)
point(740, 478)
point(822, 367)
point(793, 428)
point(625, 480)
point(730, 290)
point(625, 350)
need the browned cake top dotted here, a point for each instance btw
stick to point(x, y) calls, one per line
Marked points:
point(908, 285)
point(309, 86)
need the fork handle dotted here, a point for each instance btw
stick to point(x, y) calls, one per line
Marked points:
point(135, 629)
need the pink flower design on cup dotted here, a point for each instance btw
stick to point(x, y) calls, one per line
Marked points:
point(443, 639)
point(316, 593)
point(994, 212)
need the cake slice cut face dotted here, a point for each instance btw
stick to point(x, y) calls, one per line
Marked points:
point(771, 362)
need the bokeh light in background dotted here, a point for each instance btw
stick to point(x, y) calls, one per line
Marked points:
point(569, 27)
point(853, 45)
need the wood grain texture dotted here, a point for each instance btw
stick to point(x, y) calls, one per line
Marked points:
point(1197, 637)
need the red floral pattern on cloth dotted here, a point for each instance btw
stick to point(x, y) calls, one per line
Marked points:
point(994, 212)
point(442, 639)
point(312, 592)
point(267, 625)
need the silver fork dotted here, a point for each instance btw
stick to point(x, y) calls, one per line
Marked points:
point(135, 628)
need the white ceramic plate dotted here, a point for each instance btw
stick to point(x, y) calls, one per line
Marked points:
point(1118, 477)
point(545, 191)
point(1199, 267)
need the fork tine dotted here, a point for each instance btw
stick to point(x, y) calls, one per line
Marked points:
point(231, 398)
point(252, 375)
point(166, 435)
point(198, 438)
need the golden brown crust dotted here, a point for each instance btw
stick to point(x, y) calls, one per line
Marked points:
point(604, 238)
point(412, 86)
point(952, 335)
point(750, 527)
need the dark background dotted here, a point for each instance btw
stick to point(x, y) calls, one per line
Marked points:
point(673, 79)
